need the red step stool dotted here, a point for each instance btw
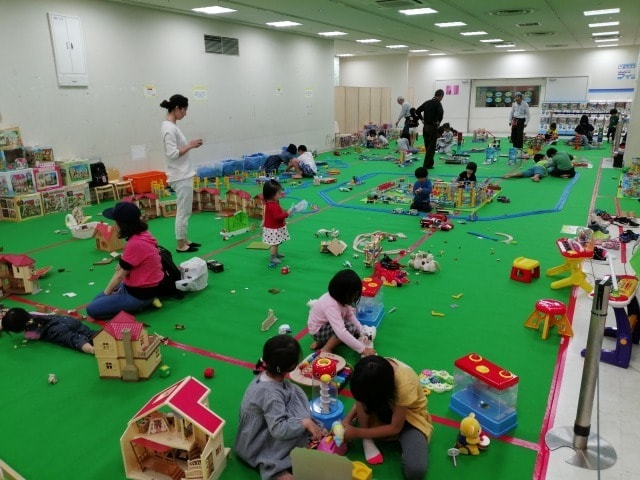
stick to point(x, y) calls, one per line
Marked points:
point(525, 269)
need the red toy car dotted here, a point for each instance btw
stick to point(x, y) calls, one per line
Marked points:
point(437, 221)
point(389, 272)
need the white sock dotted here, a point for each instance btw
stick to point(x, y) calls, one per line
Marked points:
point(371, 452)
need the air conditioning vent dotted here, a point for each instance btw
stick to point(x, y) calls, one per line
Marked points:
point(507, 13)
point(399, 3)
point(539, 34)
point(221, 45)
point(531, 24)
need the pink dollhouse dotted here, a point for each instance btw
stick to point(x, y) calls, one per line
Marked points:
point(107, 239)
point(175, 435)
point(18, 275)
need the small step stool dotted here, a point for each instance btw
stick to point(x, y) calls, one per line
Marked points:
point(525, 269)
point(554, 313)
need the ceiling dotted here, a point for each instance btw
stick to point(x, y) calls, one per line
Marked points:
point(531, 25)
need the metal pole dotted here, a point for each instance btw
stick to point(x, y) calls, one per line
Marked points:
point(591, 451)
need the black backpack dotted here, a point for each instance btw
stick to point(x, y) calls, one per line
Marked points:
point(98, 175)
point(167, 287)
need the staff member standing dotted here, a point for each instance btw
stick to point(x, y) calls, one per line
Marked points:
point(404, 113)
point(518, 119)
point(180, 171)
point(431, 113)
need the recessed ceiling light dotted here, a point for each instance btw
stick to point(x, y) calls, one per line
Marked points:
point(492, 40)
point(505, 13)
point(397, 46)
point(609, 45)
point(601, 12)
point(506, 45)
point(344, 55)
point(418, 11)
point(450, 24)
point(468, 34)
point(517, 50)
point(331, 34)
point(368, 40)
point(422, 50)
point(436, 54)
point(532, 24)
point(603, 24)
point(602, 40)
point(604, 34)
point(286, 23)
point(213, 10)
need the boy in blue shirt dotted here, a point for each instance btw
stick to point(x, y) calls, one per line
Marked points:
point(422, 191)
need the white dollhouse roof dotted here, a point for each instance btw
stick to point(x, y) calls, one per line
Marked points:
point(185, 398)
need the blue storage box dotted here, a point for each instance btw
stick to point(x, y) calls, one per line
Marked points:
point(254, 161)
point(231, 166)
point(210, 170)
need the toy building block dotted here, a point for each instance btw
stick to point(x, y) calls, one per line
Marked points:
point(269, 321)
point(175, 435)
point(335, 246)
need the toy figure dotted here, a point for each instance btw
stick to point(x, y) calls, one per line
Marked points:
point(470, 439)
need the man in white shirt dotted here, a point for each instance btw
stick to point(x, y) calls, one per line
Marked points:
point(518, 119)
point(404, 113)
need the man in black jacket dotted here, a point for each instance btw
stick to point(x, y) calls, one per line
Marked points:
point(431, 113)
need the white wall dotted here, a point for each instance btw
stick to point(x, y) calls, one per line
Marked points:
point(130, 47)
point(424, 72)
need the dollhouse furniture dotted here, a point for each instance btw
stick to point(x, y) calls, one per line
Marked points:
point(122, 187)
point(125, 350)
point(525, 269)
point(574, 255)
point(625, 306)
point(175, 435)
point(551, 313)
point(489, 391)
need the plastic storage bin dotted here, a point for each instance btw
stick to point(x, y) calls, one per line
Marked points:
point(142, 181)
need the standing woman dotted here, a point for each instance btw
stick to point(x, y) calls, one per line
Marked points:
point(180, 171)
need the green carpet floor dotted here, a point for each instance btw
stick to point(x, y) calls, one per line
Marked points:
point(72, 429)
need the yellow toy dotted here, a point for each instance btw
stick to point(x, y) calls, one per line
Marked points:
point(470, 439)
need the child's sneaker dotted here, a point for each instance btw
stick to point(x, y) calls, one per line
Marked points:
point(280, 255)
point(274, 260)
point(600, 235)
point(612, 244)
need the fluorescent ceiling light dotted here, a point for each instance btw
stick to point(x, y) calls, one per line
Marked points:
point(451, 24)
point(213, 10)
point(397, 46)
point(601, 40)
point(467, 34)
point(609, 45)
point(286, 23)
point(331, 34)
point(603, 24)
point(492, 40)
point(422, 50)
point(601, 12)
point(436, 54)
point(517, 50)
point(368, 40)
point(418, 11)
point(506, 45)
point(345, 55)
point(604, 34)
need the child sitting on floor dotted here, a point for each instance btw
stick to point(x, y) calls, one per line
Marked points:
point(304, 164)
point(332, 319)
point(443, 144)
point(551, 134)
point(59, 329)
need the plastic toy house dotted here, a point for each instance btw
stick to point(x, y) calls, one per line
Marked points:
point(107, 239)
point(18, 276)
point(125, 350)
point(175, 436)
point(209, 199)
point(370, 307)
point(236, 200)
point(148, 204)
point(235, 224)
point(254, 210)
point(489, 391)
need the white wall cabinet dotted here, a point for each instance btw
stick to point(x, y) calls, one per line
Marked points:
point(68, 50)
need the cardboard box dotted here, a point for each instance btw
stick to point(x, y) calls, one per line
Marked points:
point(6, 189)
point(21, 207)
point(23, 181)
point(55, 201)
point(10, 138)
point(78, 195)
point(47, 177)
point(75, 171)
